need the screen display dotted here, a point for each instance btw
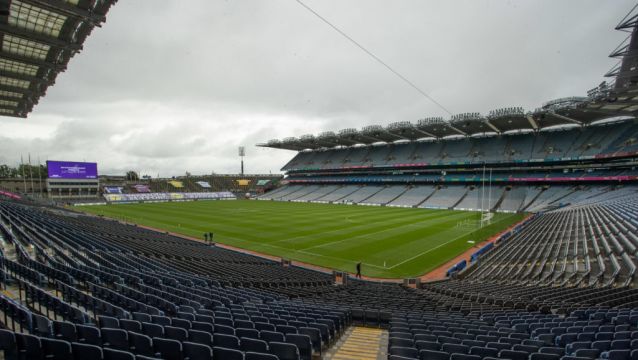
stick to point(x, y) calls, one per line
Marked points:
point(71, 170)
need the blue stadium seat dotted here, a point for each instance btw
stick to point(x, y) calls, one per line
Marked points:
point(433, 355)
point(303, 343)
point(140, 344)
point(167, 348)
point(86, 351)
point(114, 339)
point(114, 354)
point(56, 349)
point(194, 351)
point(259, 356)
point(284, 351)
point(89, 335)
point(227, 354)
point(226, 341)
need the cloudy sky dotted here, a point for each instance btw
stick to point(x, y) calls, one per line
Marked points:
point(165, 87)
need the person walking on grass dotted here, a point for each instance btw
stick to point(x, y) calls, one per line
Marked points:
point(359, 270)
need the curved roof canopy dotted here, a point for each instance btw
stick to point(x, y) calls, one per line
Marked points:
point(38, 38)
point(560, 112)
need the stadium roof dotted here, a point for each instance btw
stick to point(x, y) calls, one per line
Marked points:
point(621, 93)
point(39, 37)
point(615, 99)
point(573, 111)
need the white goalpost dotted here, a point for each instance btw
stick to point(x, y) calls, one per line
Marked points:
point(486, 212)
point(484, 204)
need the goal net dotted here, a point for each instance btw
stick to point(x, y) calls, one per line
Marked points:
point(484, 220)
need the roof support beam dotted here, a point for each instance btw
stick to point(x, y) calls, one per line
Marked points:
point(532, 122)
point(488, 123)
point(629, 21)
point(349, 142)
point(30, 61)
point(426, 133)
point(617, 110)
point(400, 137)
point(325, 143)
point(60, 6)
point(16, 115)
point(19, 100)
point(457, 130)
point(566, 118)
point(32, 79)
point(43, 39)
point(26, 92)
point(4, 107)
point(368, 137)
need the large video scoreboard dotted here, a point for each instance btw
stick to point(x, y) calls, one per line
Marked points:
point(72, 179)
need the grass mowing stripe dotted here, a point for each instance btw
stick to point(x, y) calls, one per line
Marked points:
point(373, 234)
point(366, 230)
point(330, 235)
point(348, 229)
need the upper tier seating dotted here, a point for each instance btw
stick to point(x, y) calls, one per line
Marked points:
point(590, 141)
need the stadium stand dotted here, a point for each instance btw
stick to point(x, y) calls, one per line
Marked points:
point(386, 195)
point(142, 197)
point(217, 182)
point(123, 288)
point(140, 188)
point(339, 194)
point(532, 161)
point(529, 172)
point(119, 287)
point(570, 142)
point(589, 244)
point(445, 197)
point(413, 196)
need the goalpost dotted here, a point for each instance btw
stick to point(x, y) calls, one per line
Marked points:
point(486, 212)
point(485, 205)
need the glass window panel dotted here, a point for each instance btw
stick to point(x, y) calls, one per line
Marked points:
point(8, 103)
point(36, 19)
point(14, 82)
point(10, 94)
point(24, 47)
point(18, 67)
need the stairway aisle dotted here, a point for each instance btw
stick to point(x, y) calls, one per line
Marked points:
point(360, 343)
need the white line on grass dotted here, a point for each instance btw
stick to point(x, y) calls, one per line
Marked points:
point(436, 247)
point(394, 228)
point(319, 234)
point(427, 251)
point(340, 259)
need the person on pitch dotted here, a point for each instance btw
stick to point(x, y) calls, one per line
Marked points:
point(359, 270)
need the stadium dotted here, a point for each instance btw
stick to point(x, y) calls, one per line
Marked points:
point(506, 235)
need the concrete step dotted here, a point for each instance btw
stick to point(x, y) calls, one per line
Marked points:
point(360, 343)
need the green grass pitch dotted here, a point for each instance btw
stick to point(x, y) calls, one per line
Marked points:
point(390, 242)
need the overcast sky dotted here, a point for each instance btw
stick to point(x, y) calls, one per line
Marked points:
point(165, 87)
